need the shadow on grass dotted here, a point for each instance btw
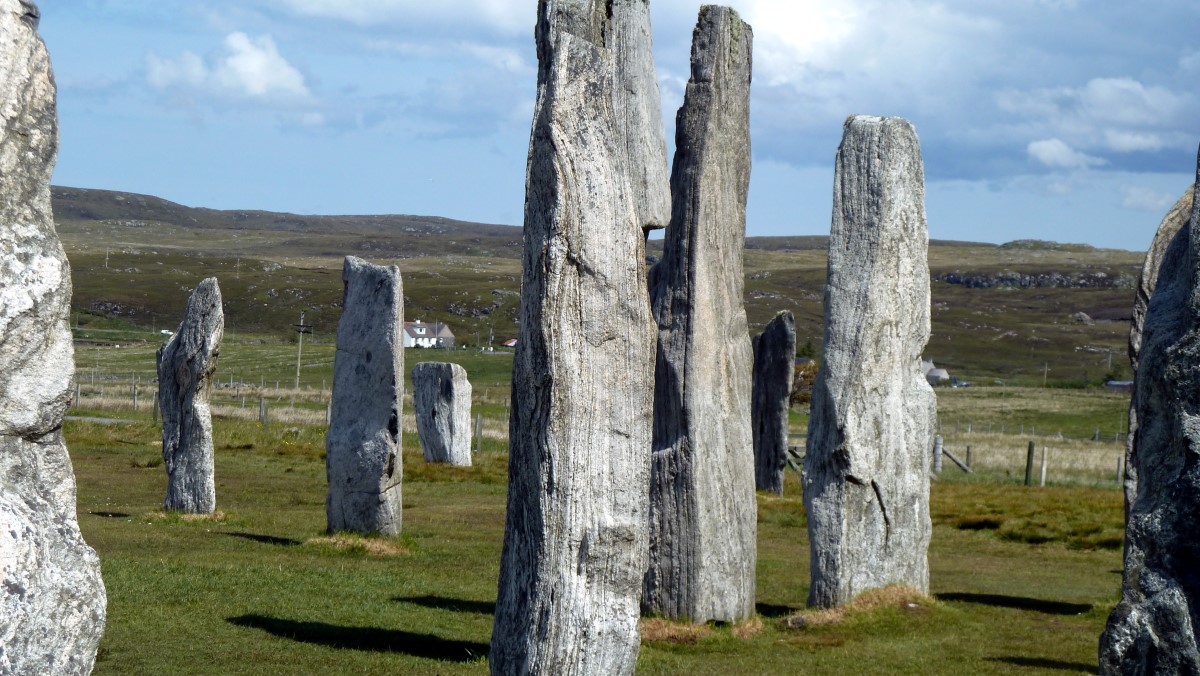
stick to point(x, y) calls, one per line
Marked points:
point(452, 605)
point(773, 611)
point(1042, 663)
point(1019, 602)
point(264, 539)
point(110, 515)
point(371, 639)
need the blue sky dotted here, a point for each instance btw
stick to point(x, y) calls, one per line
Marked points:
point(1070, 120)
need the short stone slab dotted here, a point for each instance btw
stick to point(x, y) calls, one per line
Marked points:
point(442, 400)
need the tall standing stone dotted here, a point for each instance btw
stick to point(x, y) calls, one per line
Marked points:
point(1153, 630)
point(442, 402)
point(870, 435)
point(362, 447)
point(186, 364)
point(1176, 219)
point(576, 529)
point(52, 600)
point(703, 530)
point(774, 363)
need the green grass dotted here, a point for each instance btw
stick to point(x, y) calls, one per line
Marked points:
point(258, 592)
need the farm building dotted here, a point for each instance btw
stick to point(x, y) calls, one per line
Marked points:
point(420, 334)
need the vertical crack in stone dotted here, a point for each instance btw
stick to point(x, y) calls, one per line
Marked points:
point(887, 523)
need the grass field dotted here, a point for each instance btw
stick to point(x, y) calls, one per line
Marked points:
point(1021, 578)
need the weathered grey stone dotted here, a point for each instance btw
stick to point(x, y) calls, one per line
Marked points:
point(362, 446)
point(186, 364)
point(703, 530)
point(623, 26)
point(1153, 630)
point(1175, 220)
point(52, 600)
point(870, 435)
point(442, 401)
point(774, 362)
point(576, 529)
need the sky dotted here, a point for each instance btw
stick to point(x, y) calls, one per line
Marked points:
point(1065, 120)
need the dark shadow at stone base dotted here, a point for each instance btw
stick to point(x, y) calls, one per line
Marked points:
point(1019, 602)
point(1042, 663)
point(774, 611)
point(452, 605)
point(372, 639)
point(264, 539)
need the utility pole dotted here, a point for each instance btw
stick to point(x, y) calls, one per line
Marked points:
point(301, 329)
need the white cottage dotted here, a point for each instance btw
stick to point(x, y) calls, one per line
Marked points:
point(420, 334)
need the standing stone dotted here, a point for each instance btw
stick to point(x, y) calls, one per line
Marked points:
point(52, 600)
point(1153, 630)
point(866, 471)
point(442, 400)
point(186, 364)
point(623, 26)
point(774, 362)
point(703, 530)
point(576, 530)
point(1175, 220)
point(362, 446)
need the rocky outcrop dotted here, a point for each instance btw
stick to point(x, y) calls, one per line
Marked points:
point(703, 530)
point(362, 446)
point(576, 530)
point(774, 362)
point(870, 434)
point(186, 364)
point(1153, 630)
point(52, 600)
point(442, 401)
point(1176, 219)
point(1009, 279)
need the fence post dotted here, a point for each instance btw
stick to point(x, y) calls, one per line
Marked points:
point(478, 433)
point(77, 394)
point(1029, 465)
point(135, 396)
point(1120, 468)
point(1043, 483)
point(329, 412)
point(937, 454)
point(968, 456)
point(262, 412)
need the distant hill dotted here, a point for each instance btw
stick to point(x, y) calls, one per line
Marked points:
point(999, 312)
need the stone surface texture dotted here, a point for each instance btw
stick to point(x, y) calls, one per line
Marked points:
point(703, 511)
point(362, 447)
point(774, 363)
point(870, 434)
point(52, 600)
point(1153, 630)
point(623, 26)
point(186, 364)
point(576, 530)
point(1176, 219)
point(442, 402)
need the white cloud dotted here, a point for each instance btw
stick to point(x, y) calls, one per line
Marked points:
point(504, 16)
point(1145, 199)
point(1056, 154)
point(244, 68)
point(1130, 141)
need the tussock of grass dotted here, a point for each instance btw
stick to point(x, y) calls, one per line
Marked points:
point(748, 629)
point(347, 543)
point(895, 596)
point(659, 630)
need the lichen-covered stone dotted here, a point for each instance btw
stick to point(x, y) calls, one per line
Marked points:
point(186, 364)
point(1153, 630)
point(870, 435)
point(52, 600)
point(442, 402)
point(362, 446)
point(703, 525)
point(774, 363)
point(576, 528)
